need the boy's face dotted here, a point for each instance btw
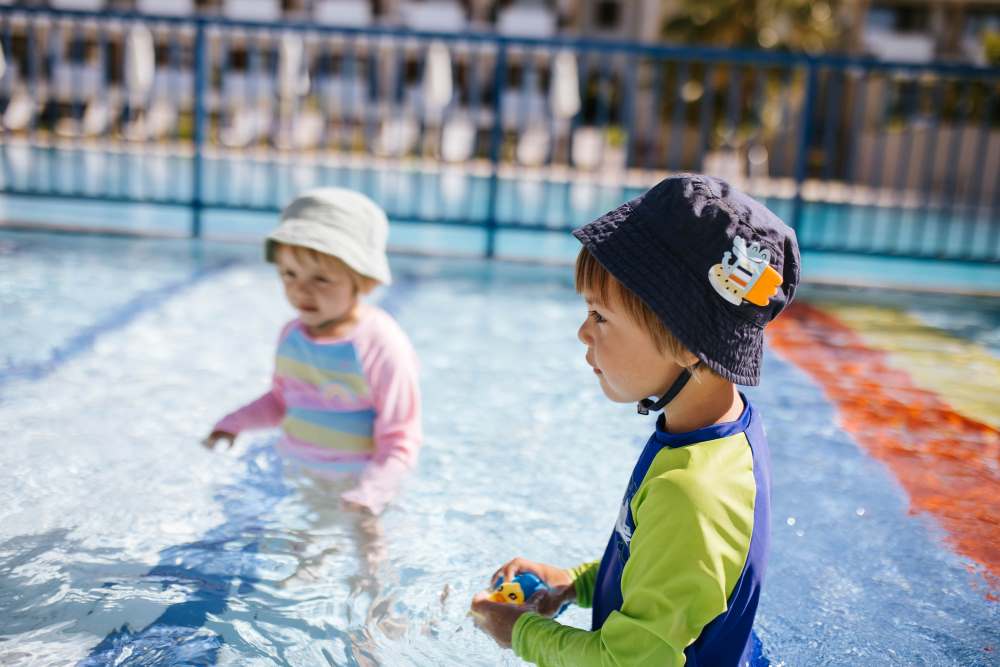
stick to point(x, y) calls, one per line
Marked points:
point(322, 292)
point(623, 354)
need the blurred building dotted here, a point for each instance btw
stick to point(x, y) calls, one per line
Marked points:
point(906, 30)
point(922, 30)
point(622, 19)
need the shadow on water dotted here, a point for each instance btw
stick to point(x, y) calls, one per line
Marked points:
point(212, 568)
point(244, 557)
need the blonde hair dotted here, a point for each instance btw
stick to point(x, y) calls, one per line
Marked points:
point(591, 276)
point(362, 284)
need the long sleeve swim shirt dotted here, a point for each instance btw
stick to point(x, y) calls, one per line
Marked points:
point(680, 578)
point(349, 404)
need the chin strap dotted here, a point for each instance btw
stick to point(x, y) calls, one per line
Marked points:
point(647, 404)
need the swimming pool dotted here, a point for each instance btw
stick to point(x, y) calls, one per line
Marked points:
point(122, 541)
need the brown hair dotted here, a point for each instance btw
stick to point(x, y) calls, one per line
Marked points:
point(362, 284)
point(591, 276)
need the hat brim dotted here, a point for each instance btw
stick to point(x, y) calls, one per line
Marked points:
point(333, 242)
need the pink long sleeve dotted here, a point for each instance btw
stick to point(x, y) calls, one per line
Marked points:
point(392, 370)
point(264, 412)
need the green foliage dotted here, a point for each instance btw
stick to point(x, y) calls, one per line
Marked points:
point(782, 25)
point(991, 46)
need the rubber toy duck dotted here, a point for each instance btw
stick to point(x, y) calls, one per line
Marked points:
point(521, 588)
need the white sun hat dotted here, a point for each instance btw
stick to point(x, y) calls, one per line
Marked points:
point(338, 222)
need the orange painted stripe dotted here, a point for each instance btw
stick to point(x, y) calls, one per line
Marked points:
point(949, 464)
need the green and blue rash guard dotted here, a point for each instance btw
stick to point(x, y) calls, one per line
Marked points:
point(681, 576)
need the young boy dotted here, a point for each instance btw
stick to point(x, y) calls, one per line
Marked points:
point(679, 284)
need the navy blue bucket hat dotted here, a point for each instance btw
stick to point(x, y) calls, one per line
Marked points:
point(714, 264)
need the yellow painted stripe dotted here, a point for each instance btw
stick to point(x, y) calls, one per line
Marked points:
point(324, 437)
point(319, 377)
point(963, 374)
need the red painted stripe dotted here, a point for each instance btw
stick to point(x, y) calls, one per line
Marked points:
point(949, 464)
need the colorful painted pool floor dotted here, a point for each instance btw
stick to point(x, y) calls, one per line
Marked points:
point(923, 401)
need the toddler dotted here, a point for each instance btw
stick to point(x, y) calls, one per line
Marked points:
point(345, 386)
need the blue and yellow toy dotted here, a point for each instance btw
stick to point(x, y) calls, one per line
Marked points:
point(520, 588)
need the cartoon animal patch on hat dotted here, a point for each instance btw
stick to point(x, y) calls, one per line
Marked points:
point(745, 273)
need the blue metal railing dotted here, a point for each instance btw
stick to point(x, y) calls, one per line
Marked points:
point(859, 155)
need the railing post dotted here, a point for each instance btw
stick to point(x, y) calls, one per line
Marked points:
point(496, 144)
point(805, 134)
point(200, 124)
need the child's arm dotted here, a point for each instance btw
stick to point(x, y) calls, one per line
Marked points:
point(264, 412)
point(673, 585)
point(394, 381)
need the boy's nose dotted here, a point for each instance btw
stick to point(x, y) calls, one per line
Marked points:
point(582, 333)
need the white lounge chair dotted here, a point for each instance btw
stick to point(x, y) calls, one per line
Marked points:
point(21, 104)
point(534, 144)
point(397, 136)
point(437, 83)
point(172, 90)
point(20, 111)
point(140, 72)
point(303, 130)
point(564, 86)
point(458, 138)
point(296, 129)
point(97, 117)
point(250, 96)
point(564, 98)
point(246, 125)
point(587, 147)
point(81, 82)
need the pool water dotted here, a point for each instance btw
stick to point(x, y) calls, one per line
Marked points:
point(122, 541)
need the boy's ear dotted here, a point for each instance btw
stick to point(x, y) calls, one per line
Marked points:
point(687, 359)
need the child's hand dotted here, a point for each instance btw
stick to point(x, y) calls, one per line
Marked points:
point(215, 436)
point(554, 577)
point(549, 603)
point(497, 619)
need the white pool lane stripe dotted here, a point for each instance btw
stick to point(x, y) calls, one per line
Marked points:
point(121, 317)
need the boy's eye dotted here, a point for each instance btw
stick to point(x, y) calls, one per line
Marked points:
point(322, 280)
point(597, 317)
